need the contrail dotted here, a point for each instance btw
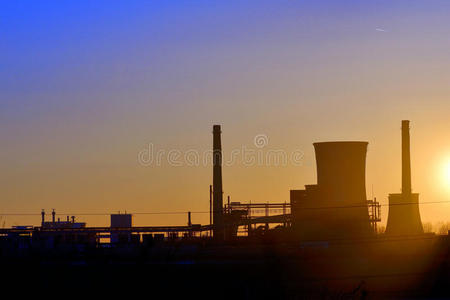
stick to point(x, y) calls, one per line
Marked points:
point(379, 29)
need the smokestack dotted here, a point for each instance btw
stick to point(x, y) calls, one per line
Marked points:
point(53, 215)
point(406, 159)
point(42, 217)
point(217, 183)
point(404, 214)
point(210, 207)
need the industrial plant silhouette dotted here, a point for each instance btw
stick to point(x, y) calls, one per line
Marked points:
point(324, 244)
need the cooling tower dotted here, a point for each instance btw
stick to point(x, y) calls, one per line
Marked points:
point(337, 205)
point(341, 173)
point(404, 215)
point(341, 183)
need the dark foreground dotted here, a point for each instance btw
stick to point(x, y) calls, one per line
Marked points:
point(364, 269)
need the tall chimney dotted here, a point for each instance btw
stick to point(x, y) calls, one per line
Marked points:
point(406, 159)
point(53, 215)
point(42, 217)
point(217, 184)
point(404, 214)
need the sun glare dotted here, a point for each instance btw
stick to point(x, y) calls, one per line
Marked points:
point(446, 173)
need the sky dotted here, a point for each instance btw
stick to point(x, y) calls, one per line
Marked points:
point(87, 86)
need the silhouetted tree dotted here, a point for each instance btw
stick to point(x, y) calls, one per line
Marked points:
point(443, 227)
point(427, 227)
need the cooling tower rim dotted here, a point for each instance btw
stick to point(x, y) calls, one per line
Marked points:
point(342, 143)
point(400, 194)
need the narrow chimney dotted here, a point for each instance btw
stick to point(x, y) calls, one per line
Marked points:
point(406, 159)
point(210, 204)
point(53, 215)
point(210, 208)
point(217, 183)
point(42, 217)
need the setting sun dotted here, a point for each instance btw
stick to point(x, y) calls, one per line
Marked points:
point(446, 173)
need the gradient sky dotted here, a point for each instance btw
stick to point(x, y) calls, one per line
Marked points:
point(86, 85)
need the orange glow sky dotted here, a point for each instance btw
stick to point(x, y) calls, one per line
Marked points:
point(85, 87)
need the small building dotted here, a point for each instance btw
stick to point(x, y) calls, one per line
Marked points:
point(121, 221)
point(62, 232)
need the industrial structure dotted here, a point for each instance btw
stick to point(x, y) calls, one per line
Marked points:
point(217, 184)
point(335, 208)
point(58, 224)
point(323, 244)
point(404, 215)
point(120, 221)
